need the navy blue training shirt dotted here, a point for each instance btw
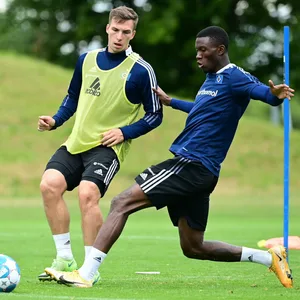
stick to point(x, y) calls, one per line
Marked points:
point(214, 116)
point(138, 89)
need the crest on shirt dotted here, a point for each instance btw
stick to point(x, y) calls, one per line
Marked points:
point(219, 79)
point(125, 74)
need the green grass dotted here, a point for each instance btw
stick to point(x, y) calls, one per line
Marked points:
point(150, 243)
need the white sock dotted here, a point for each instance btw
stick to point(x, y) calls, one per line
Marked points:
point(87, 250)
point(91, 264)
point(63, 246)
point(256, 256)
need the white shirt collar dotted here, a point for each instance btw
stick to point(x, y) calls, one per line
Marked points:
point(128, 51)
point(230, 65)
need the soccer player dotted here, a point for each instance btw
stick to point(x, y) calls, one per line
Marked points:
point(107, 90)
point(184, 183)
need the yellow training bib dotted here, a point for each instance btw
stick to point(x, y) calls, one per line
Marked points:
point(102, 105)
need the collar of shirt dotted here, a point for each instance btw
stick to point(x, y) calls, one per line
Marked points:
point(119, 55)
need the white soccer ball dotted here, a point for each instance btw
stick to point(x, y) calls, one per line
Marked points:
point(9, 274)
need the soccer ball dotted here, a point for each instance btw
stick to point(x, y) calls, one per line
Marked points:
point(9, 274)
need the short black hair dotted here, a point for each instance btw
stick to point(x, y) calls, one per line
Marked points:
point(216, 33)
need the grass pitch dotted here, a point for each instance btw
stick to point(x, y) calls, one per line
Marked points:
point(150, 243)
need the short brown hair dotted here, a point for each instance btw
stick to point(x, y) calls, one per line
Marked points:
point(124, 13)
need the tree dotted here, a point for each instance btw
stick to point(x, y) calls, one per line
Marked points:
point(59, 30)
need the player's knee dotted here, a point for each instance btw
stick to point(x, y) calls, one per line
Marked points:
point(188, 251)
point(89, 195)
point(193, 250)
point(51, 186)
point(120, 205)
point(117, 205)
point(88, 200)
point(53, 183)
point(129, 201)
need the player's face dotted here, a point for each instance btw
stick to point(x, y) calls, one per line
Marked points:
point(208, 54)
point(119, 35)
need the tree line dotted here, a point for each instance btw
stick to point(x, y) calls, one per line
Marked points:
point(58, 31)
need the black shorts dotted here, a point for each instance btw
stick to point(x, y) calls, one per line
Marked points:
point(184, 186)
point(99, 165)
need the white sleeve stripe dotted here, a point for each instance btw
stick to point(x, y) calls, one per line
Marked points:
point(151, 119)
point(148, 118)
point(153, 83)
point(66, 100)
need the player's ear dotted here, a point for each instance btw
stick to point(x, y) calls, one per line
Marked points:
point(221, 50)
point(107, 27)
point(133, 34)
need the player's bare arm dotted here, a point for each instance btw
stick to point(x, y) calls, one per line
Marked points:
point(112, 137)
point(281, 91)
point(45, 123)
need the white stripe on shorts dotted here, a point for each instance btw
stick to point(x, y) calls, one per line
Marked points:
point(110, 172)
point(163, 175)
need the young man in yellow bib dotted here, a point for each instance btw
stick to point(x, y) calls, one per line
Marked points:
point(107, 90)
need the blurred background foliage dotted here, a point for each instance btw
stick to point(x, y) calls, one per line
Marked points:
point(58, 31)
point(40, 41)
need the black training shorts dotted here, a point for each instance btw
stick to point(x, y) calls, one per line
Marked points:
point(184, 186)
point(99, 165)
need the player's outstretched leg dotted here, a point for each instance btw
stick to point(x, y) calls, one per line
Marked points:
point(280, 266)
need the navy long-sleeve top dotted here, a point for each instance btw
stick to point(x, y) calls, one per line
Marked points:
point(214, 116)
point(138, 89)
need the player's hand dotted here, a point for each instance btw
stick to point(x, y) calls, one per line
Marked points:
point(112, 137)
point(163, 97)
point(45, 123)
point(281, 91)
